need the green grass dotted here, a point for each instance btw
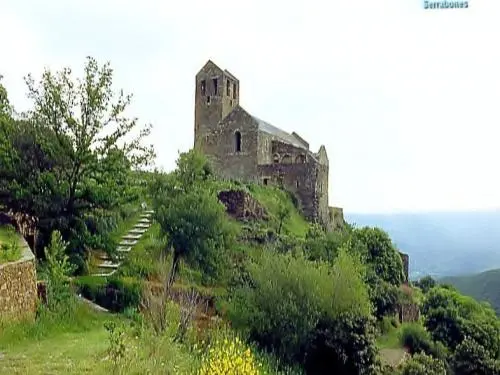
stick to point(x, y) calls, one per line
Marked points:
point(272, 199)
point(9, 245)
point(78, 344)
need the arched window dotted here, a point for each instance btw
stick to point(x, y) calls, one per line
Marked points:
point(300, 159)
point(287, 159)
point(237, 141)
point(276, 158)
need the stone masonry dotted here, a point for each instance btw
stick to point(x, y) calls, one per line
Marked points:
point(244, 147)
point(241, 205)
point(18, 289)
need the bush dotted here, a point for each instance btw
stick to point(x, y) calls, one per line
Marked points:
point(115, 294)
point(290, 300)
point(229, 356)
point(421, 364)
point(417, 340)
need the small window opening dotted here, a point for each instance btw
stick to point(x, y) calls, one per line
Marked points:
point(234, 90)
point(208, 99)
point(237, 139)
point(300, 159)
point(297, 183)
point(203, 87)
point(216, 84)
point(228, 88)
point(230, 103)
point(266, 181)
point(276, 158)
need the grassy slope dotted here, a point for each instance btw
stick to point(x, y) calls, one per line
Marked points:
point(484, 286)
point(5, 237)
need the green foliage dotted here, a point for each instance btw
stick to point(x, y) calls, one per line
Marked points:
point(113, 293)
point(386, 298)
point(483, 286)
point(71, 155)
point(416, 339)
point(286, 291)
point(191, 218)
point(116, 337)
point(57, 269)
point(376, 247)
point(450, 317)
point(472, 358)
point(10, 250)
point(422, 364)
point(426, 283)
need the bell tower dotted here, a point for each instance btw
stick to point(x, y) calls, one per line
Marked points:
point(217, 92)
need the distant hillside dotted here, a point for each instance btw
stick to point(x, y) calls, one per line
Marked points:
point(484, 286)
point(442, 244)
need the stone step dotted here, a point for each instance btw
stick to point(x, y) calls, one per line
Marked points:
point(103, 256)
point(144, 221)
point(131, 236)
point(128, 243)
point(145, 216)
point(149, 212)
point(140, 231)
point(104, 273)
point(142, 226)
point(123, 249)
point(109, 264)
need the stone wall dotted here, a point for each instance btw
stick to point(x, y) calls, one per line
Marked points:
point(336, 218)
point(409, 313)
point(18, 288)
point(241, 205)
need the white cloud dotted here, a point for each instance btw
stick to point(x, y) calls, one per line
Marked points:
point(403, 98)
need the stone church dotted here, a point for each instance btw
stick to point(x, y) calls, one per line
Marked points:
point(244, 147)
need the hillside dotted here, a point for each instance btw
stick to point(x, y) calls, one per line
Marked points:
point(458, 243)
point(484, 286)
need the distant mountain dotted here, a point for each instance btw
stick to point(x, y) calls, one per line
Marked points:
point(484, 286)
point(442, 244)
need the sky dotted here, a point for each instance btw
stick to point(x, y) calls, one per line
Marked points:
point(404, 99)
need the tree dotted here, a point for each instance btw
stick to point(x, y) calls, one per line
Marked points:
point(377, 249)
point(81, 151)
point(426, 283)
point(191, 218)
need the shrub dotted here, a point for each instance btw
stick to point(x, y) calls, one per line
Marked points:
point(290, 300)
point(115, 294)
point(229, 356)
point(417, 340)
point(422, 364)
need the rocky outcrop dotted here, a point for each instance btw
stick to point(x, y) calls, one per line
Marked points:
point(18, 288)
point(241, 205)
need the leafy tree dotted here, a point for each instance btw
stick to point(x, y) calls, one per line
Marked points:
point(426, 283)
point(385, 298)
point(80, 150)
point(191, 218)
point(383, 259)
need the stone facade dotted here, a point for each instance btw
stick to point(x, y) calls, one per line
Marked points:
point(241, 205)
point(243, 147)
point(18, 288)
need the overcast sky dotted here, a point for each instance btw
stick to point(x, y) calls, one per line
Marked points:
point(406, 100)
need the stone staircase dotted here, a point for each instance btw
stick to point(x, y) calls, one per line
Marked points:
point(107, 266)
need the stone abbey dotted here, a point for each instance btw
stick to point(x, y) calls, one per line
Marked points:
point(244, 147)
